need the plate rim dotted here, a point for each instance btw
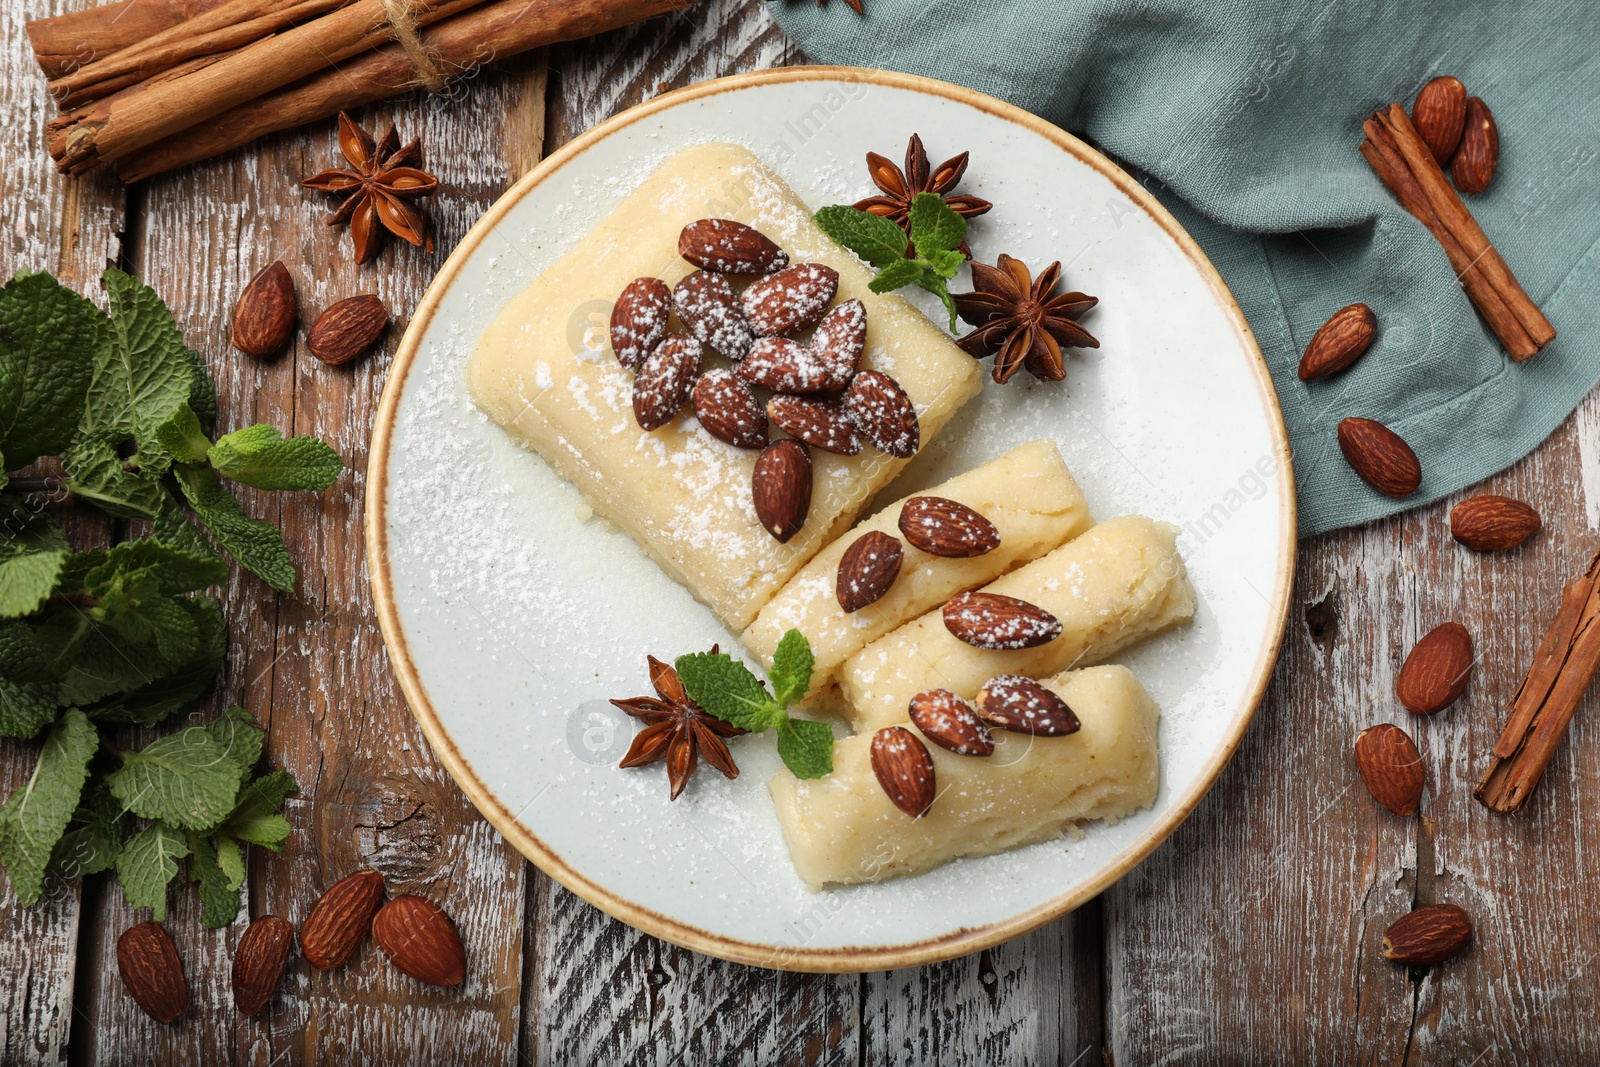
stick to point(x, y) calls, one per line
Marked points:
point(844, 959)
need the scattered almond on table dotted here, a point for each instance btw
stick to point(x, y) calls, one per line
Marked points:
point(1436, 671)
point(1390, 767)
point(1430, 934)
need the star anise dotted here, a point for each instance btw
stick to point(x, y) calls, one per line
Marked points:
point(900, 187)
point(383, 179)
point(677, 730)
point(1021, 321)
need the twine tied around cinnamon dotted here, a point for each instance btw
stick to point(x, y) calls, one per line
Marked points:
point(403, 20)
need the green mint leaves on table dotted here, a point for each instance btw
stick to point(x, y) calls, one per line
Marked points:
point(729, 690)
point(936, 235)
point(92, 639)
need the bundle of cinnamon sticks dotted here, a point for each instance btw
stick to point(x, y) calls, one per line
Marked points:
point(149, 85)
point(1397, 152)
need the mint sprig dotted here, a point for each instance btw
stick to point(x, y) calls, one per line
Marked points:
point(936, 235)
point(729, 690)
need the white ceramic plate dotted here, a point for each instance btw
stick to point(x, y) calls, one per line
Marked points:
point(511, 620)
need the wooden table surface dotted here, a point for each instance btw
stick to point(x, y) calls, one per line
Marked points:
point(1250, 936)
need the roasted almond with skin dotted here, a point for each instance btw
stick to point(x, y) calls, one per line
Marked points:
point(819, 421)
point(639, 320)
point(781, 485)
point(707, 305)
point(1380, 456)
point(949, 722)
point(1431, 934)
point(265, 317)
point(421, 940)
point(152, 971)
point(789, 300)
point(348, 329)
point(729, 247)
point(944, 527)
point(729, 411)
point(1024, 706)
point(867, 570)
point(787, 366)
point(339, 922)
point(904, 770)
point(989, 620)
point(1436, 672)
point(840, 339)
point(1492, 523)
point(1340, 341)
point(259, 961)
point(883, 414)
point(1479, 155)
point(1440, 114)
point(1390, 767)
point(665, 381)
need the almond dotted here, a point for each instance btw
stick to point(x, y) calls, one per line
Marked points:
point(949, 722)
point(840, 339)
point(258, 962)
point(1430, 934)
point(421, 940)
point(1391, 767)
point(1493, 523)
point(989, 620)
point(1436, 672)
point(152, 971)
point(729, 410)
point(1342, 340)
point(347, 329)
point(786, 366)
point(904, 769)
point(1022, 705)
point(639, 320)
point(818, 421)
point(264, 319)
point(867, 570)
point(1380, 456)
point(706, 304)
point(789, 300)
point(1479, 155)
point(729, 247)
point(339, 922)
point(1439, 114)
point(883, 414)
point(665, 381)
point(943, 527)
point(781, 484)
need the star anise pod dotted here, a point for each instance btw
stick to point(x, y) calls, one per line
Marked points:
point(677, 730)
point(382, 181)
point(900, 187)
point(853, 5)
point(1022, 321)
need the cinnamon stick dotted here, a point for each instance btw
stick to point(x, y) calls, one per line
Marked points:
point(459, 45)
point(1398, 154)
point(1562, 669)
point(64, 43)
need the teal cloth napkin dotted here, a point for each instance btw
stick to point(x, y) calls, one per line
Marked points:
point(1245, 119)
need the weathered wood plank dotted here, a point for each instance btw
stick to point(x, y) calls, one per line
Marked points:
point(74, 230)
point(1257, 928)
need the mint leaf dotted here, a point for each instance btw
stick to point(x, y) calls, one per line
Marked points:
point(258, 546)
point(935, 225)
point(90, 661)
point(27, 579)
point(143, 372)
point(162, 696)
point(174, 527)
point(896, 275)
point(946, 264)
point(182, 436)
point(167, 570)
point(26, 707)
point(37, 814)
point(93, 837)
point(48, 337)
point(260, 456)
point(872, 237)
point(806, 747)
point(96, 473)
point(230, 858)
point(147, 863)
point(240, 737)
point(255, 819)
point(186, 779)
point(791, 668)
point(936, 285)
point(726, 688)
point(221, 900)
